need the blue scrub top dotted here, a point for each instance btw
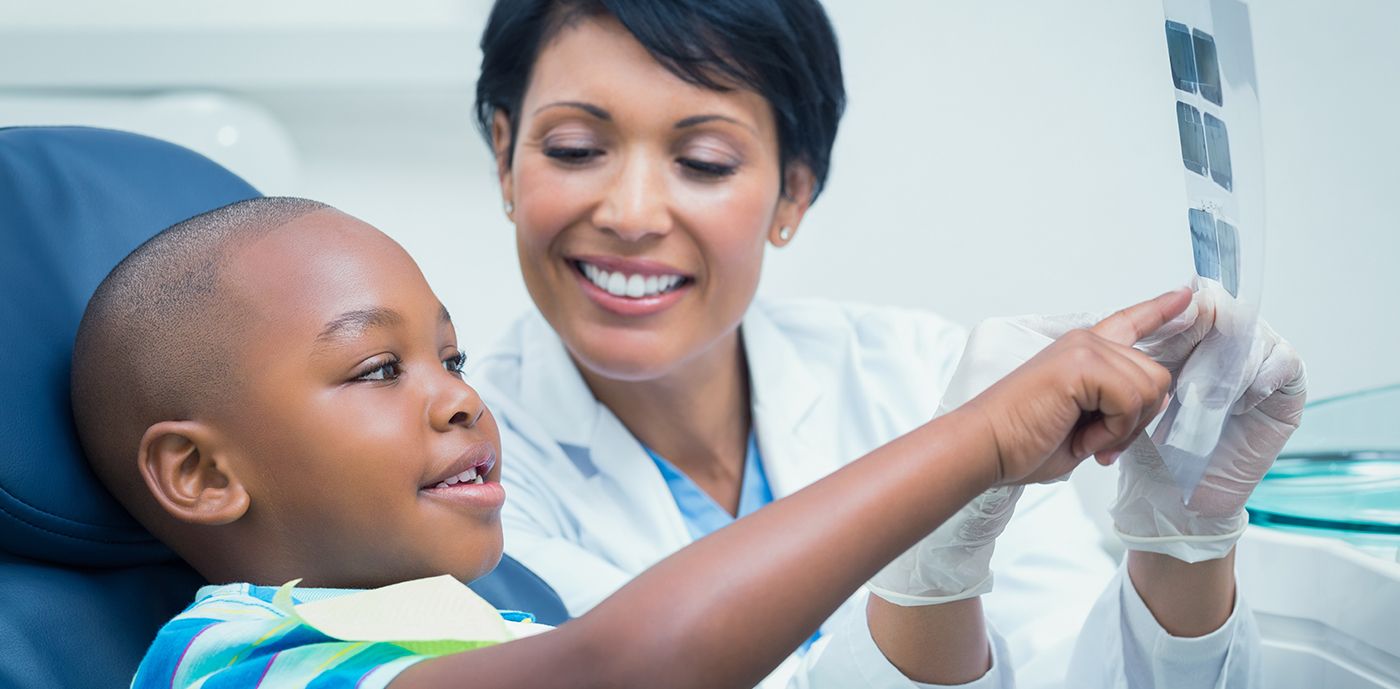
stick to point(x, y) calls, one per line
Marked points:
point(703, 515)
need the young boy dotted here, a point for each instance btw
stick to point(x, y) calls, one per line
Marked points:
point(273, 390)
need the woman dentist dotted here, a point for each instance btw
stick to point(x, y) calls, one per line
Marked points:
point(649, 152)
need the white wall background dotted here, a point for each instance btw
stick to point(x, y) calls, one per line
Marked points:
point(997, 157)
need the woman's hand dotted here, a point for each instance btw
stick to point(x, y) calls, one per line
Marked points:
point(1151, 513)
point(1087, 393)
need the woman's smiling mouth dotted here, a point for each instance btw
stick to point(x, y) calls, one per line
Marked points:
point(630, 287)
point(635, 286)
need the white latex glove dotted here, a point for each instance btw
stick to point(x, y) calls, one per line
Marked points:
point(1150, 513)
point(953, 562)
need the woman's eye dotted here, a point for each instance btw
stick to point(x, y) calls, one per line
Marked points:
point(704, 168)
point(388, 370)
point(572, 155)
point(456, 363)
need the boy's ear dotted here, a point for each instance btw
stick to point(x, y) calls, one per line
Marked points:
point(184, 467)
point(798, 183)
point(501, 146)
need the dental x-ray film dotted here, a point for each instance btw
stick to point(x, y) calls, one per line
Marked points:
point(1211, 55)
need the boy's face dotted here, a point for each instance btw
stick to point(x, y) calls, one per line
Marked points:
point(352, 415)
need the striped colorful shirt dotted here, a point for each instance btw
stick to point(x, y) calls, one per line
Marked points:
point(236, 635)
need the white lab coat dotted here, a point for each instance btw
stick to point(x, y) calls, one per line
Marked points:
point(587, 509)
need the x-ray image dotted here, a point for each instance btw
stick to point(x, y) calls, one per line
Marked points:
point(1229, 243)
point(1210, 50)
point(1207, 66)
point(1205, 246)
point(1218, 149)
point(1183, 56)
point(1193, 138)
point(1195, 66)
point(1215, 246)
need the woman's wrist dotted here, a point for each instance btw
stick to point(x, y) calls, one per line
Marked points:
point(932, 644)
point(1187, 599)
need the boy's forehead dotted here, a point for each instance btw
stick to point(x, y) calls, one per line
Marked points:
point(322, 264)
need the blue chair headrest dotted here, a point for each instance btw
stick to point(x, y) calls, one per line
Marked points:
point(74, 202)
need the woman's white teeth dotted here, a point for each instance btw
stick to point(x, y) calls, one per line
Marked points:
point(617, 284)
point(632, 286)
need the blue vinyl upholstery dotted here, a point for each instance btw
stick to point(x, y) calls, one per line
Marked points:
point(83, 587)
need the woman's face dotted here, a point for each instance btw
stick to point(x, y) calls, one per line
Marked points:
point(642, 203)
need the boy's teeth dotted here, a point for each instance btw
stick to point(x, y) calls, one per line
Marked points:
point(631, 286)
point(468, 476)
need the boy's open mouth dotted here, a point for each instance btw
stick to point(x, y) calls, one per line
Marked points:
point(468, 485)
point(468, 476)
point(471, 468)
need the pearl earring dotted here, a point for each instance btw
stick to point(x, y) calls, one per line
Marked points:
point(785, 233)
point(510, 208)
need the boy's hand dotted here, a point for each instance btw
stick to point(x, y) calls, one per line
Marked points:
point(1088, 393)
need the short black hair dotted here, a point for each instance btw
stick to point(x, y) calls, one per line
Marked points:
point(785, 50)
point(153, 344)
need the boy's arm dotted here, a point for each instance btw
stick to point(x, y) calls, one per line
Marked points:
point(725, 609)
point(728, 608)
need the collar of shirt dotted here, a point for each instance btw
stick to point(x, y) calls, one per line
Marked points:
point(702, 514)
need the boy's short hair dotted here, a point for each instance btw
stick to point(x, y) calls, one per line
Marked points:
point(154, 341)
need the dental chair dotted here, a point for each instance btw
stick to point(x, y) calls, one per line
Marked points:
point(83, 587)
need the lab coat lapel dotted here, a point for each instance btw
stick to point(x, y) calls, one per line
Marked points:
point(795, 428)
point(630, 477)
point(552, 390)
point(619, 473)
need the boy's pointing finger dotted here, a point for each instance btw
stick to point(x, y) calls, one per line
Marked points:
point(1129, 325)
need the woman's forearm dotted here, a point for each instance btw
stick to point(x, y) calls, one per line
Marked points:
point(728, 608)
point(935, 644)
point(1188, 599)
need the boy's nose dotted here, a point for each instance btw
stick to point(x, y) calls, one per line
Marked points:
point(461, 418)
point(457, 406)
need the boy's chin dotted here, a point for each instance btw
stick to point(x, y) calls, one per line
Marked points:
point(482, 568)
point(474, 562)
point(464, 567)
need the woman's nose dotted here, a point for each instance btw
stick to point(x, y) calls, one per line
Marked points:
point(636, 204)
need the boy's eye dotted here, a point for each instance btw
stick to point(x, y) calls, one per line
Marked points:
point(455, 363)
point(381, 370)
